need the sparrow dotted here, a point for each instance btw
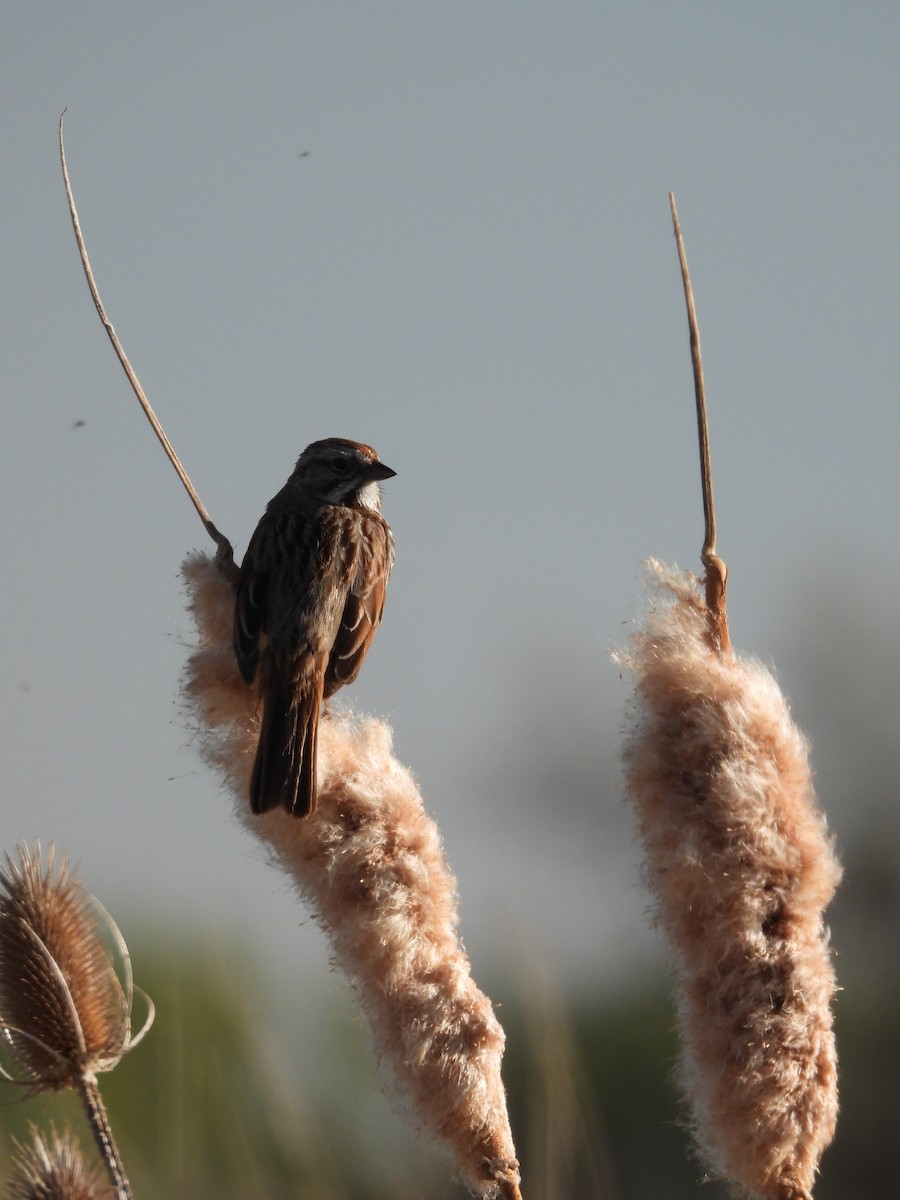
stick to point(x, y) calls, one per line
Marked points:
point(309, 597)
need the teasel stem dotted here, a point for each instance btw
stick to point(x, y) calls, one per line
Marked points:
point(225, 551)
point(103, 1134)
point(716, 571)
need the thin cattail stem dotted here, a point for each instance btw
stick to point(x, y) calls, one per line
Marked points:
point(716, 571)
point(103, 1135)
point(225, 551)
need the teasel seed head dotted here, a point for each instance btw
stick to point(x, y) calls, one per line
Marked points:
point(54, 1168)
point(64, 1014)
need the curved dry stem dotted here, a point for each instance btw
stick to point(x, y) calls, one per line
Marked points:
point(716, 571)
point(225, 551)
point(126, 988)
point(135, 1039)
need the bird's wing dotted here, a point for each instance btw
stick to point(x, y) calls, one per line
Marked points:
point(362, 611)
point(251, 594)
point(281, 542)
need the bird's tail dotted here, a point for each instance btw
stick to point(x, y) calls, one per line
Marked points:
point(284, 772)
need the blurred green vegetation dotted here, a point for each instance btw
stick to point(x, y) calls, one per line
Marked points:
point(215, 1104)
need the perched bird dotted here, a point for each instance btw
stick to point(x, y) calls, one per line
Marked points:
point(309, 598)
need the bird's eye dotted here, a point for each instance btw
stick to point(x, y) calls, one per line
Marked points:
point(340, 464)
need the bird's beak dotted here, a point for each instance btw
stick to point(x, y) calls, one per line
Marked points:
point(377, 470)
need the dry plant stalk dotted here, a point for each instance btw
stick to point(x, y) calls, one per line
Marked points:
point(370, 865)
point(64, 1014)
point(224, 546)
point(716, 577)
point(53, 1168)
point(741, 866)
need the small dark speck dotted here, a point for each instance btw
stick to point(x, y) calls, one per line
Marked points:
point(303, 154)
point(79, 424)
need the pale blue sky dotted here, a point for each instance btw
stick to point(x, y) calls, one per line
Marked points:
point(442, 229)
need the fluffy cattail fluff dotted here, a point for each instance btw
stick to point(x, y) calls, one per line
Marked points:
point(369, 864)
point(741, 868)
point(63, 1011)
point(53, 1168)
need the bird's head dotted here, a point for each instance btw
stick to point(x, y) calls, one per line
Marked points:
point(339, 471)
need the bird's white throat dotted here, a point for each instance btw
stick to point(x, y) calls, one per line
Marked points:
point(370, 496)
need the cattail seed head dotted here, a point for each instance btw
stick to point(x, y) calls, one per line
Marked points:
point(53, 1168)
point(741, 867)
point(63, 1012)
point(369, 863)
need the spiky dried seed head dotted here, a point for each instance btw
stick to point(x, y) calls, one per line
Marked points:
point(63, 1011)
point(53, 1168)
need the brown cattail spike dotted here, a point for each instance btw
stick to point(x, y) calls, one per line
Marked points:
point(742, 867)
point(369, 862)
